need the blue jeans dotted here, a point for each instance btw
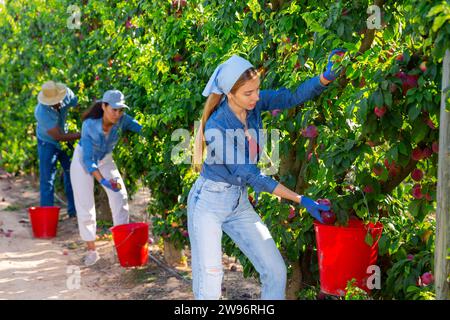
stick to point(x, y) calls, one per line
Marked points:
point(214, 207)
point(48, 155)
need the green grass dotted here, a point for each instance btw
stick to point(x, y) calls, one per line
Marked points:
point(13, 207)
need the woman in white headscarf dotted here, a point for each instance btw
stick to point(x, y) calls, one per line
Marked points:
point(218, 200)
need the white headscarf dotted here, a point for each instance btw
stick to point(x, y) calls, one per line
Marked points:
point(226, 75)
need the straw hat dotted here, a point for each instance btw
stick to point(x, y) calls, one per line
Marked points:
point(52, 93)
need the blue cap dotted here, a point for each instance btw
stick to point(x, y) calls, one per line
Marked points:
point(226, 75)
point(115, 99)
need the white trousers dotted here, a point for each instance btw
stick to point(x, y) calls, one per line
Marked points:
point(83, 191)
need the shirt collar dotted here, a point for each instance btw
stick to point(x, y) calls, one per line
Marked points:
point(50, 108)
point(229, 114)
point(99, 124)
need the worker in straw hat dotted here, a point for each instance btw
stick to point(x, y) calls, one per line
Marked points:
point(54, 101)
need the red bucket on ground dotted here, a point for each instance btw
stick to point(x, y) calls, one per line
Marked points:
point(343, 254)
point(44, 221)
point(131, 241)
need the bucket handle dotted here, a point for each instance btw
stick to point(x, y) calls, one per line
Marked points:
point(379, 237)
point(365, 202)
point(126, 239)
point(145, 218)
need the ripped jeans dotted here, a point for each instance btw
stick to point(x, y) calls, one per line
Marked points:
point(216, 206)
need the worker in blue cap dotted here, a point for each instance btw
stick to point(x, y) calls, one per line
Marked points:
point(218, 200)
point(92, 160)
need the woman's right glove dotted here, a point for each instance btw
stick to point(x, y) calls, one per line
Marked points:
point(110, 184)
point(313, 207)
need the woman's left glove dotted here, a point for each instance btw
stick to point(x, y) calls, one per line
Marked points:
point(331, 74)
point(111, 184)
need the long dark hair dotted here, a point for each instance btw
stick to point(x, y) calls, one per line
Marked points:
point(94, 112)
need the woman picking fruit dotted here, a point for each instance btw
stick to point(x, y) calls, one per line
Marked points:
point(102, 125)
point(218, 200)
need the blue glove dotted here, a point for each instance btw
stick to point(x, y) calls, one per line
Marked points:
point(329, 73)
point(108, 184)
point(313, 207)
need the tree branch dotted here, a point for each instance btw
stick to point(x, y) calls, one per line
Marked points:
point(391, 184)
point(301, 184)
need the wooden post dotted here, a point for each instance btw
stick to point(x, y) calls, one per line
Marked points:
point(442, 265)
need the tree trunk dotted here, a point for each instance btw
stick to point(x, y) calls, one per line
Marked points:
point(441, 260)
point(294, 283)
point(289, 165)
point(276, 4)
point(173, 255)
point(102, 204)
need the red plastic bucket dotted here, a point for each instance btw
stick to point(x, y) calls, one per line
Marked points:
point(343, 254)
point(131, 241)
point(44, 221)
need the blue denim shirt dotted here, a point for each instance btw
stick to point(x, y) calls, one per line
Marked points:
point(49, 118)
point(217, 165)
point(96, 145)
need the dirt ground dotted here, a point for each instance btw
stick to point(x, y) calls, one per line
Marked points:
point(33, 268)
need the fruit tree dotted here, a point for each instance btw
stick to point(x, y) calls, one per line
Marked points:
point(369, 143)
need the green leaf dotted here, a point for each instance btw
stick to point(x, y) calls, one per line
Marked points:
point(383, 245)
point(388, 99)
point(439, 21)
point(378, 99)
point(340, 30)
point(396, 120)
point(420, 131)
point(414, 208)
point(313, 25)
point(369, 239)
point(414, 111)
point(402, 148)
point(362, 110)
point(412, 289)
point(393, 153)
point(255, 7)
point(384, 176)
point(436, 9)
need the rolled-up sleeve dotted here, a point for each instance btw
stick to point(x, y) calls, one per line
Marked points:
point(251, 175)
point(89, 160)
point(131, 124)
point(284, 98)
